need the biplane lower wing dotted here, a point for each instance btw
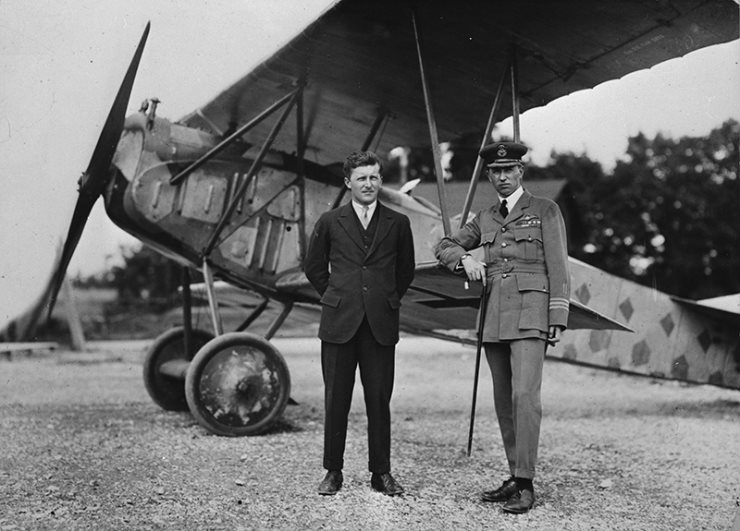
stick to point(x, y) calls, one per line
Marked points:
point(438, 301)
point(725, 308)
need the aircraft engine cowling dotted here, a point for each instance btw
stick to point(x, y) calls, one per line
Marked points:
point(161, 140)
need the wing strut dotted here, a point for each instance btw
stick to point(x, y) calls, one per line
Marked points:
point(218, 327)
point(515, 93)
point(510, 71)
point(293, 97)
point(234, 136)
point(486, 136)
point(434, 137)
point(301, 143)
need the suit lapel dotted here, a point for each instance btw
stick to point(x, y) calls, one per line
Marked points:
point(349, 224)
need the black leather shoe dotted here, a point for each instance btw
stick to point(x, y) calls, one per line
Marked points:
point(519, 503)
point(331, 483)
point(503, 493)
point(386, 484)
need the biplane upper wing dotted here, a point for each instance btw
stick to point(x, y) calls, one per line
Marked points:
point(359, 63)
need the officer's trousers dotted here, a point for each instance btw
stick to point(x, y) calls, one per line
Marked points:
point(516, 368)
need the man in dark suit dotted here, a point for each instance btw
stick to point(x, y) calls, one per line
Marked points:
point(525, 270)
point(361, 261)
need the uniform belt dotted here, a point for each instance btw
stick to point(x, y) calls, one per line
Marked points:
point(498, 269)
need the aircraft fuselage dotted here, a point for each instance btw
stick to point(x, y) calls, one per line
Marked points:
point(266, 235)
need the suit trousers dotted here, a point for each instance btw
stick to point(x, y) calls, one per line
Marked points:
point(339, 363)
point(516, 368)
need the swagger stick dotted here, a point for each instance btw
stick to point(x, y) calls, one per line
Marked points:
point(479, 346)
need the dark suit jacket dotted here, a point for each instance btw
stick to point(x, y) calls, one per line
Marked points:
point(354, 283)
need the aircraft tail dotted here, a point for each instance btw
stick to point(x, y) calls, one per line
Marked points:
point(693, 341)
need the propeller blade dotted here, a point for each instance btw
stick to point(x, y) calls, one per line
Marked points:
point(93, 181)
point(97, 170)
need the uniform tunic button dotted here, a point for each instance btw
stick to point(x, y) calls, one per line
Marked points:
point(364, 288)
point(504, 275)
point(506, 259)
point(503, 229)
point(503, 244)
point(364, 267)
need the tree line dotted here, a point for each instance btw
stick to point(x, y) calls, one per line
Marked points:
point(667, 216)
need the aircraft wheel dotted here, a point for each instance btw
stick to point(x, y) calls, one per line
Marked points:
point(166, 390)
point(237, 384)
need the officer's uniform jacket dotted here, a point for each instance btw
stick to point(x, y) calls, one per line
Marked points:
point(526, 266)
point(357, 281)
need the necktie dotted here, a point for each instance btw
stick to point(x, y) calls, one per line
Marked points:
point(364, 219)
point(504, 210)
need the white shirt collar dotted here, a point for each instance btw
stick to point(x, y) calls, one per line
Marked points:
point(513, 198)
point(370, 209)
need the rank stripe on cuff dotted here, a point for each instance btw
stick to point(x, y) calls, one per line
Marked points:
point(559, 304)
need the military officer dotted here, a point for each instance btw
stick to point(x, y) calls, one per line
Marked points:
point(525, 273)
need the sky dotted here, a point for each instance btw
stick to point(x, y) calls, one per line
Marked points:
point(62, 64)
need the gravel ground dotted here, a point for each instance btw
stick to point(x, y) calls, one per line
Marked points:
point(85, 448)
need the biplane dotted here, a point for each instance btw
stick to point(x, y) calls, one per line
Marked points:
point(234, 188)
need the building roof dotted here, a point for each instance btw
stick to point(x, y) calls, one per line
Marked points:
point(456, 192)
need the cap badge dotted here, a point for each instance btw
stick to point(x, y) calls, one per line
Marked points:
point(501, 152)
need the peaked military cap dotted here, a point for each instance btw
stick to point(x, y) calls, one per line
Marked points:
point(502, 154)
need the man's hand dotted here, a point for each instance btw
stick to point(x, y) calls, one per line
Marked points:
point(474, 269)
point(553, 336)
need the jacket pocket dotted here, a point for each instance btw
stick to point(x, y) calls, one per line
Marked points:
point(330, 299)
point(486, 240)
point(532, 282)
point(394, 302)
point(487, 237)
point(529, 239)
point(534, 291)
